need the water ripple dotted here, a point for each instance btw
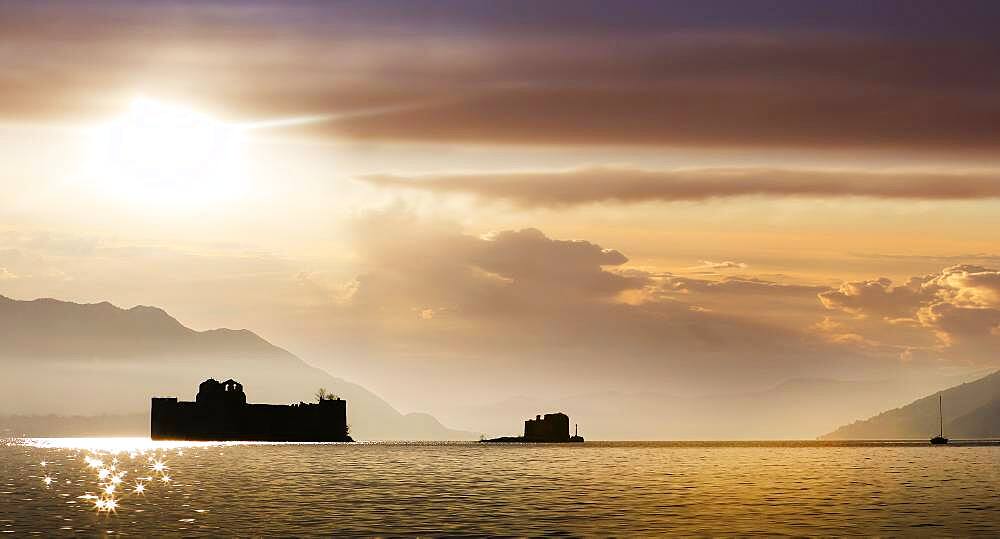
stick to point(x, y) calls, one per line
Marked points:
point(56, 487)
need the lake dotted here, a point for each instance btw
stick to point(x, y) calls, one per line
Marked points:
point(89, 486)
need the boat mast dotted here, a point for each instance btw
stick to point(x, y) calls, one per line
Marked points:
point(941, 415)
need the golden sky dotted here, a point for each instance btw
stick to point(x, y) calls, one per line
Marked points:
point(432, 199)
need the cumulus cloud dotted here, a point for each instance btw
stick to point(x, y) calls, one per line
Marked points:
point(960, 304)
point(603, 184)
point(416, 264)
point(531, 260)
point(877, 296)
point(969, 285)
point(957, 323)
point(528, 310)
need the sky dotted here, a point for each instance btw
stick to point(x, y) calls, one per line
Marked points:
point(458, 201)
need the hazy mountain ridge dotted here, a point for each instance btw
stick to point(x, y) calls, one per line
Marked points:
point(971, 410)
point(983, 422)
point(109, 332)
point(798, 408)
point(76, 359)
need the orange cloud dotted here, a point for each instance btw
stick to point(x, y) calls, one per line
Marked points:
point(960, 304)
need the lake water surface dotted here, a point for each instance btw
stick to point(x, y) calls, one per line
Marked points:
point(61, 486)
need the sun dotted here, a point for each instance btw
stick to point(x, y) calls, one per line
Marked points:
point(164, 154)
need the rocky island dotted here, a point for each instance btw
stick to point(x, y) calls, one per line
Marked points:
point(550, 429)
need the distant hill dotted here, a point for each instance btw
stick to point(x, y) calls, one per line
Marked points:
point(983, 422)
point(69, 359)
point(971, 410)
point(796, 409)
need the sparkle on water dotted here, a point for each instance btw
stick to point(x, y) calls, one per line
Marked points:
point(103, 486)
point(139, 454)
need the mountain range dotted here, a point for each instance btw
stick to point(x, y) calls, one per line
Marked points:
point(68, 359)
point(77, 369)
point(970, 411)
point(800, 408)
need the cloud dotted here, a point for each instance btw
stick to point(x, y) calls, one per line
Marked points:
point(415, 264)
point(746, 286)
point(6, 274)
point(960, 305)
point(565, 76)
point(707, 266)
point(968, 285)
point(602, 184)
point(957, 323)
point(783, 304)
point(530, 260)
point(876, 296)
point(528, 312)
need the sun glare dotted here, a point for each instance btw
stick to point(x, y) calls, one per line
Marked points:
point(163, 154)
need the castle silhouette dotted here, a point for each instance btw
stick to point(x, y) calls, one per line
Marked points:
point(553, 428)
point(221, 413)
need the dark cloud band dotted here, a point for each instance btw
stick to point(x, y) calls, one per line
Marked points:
point(594, 185)
point(776, 85)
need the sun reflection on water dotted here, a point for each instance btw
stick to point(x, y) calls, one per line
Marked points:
point(113, 447)
point(111, 460)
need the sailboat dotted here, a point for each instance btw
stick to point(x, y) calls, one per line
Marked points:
point(940, 439)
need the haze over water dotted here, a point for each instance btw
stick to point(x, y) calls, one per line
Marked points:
point(468, 488)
